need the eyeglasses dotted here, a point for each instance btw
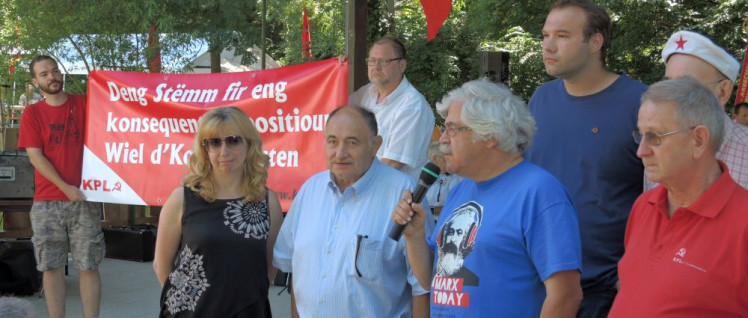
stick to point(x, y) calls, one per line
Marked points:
point(452, 130)
point(359, 237)
point(383, 62)
point(655, 139)
point(214, 144)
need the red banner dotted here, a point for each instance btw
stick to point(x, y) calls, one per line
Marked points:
point(743, 81)
point(140, 126)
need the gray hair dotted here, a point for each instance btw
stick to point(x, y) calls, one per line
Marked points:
point(695, 105)
point(434, 150)
point(492, 112)
point(16, 307)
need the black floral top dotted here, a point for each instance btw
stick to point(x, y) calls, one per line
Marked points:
point(221, 268)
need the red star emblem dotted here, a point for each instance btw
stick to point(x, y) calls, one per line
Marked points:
point(681, 43)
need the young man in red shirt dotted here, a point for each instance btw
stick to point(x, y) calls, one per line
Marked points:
point(52, 133)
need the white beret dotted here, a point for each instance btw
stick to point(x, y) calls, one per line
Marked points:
point(692, 43)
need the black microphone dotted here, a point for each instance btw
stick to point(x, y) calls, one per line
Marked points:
point(429, 174)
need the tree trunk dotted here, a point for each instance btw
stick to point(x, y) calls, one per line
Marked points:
point(215, 61)
point(215, 50)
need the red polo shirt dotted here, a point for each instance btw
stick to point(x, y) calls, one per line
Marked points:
point(694, 264)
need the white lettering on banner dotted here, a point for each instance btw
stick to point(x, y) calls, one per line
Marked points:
point(121, 151)
point(234, 92)
point(165, 126)
point(183, 95)
point(290, 123)
point(282, 158)
point(268, 91)
point(128, 94)
point(176, 156)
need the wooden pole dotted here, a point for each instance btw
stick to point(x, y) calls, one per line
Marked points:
point(356, 44)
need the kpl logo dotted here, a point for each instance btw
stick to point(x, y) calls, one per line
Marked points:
point(100, 185)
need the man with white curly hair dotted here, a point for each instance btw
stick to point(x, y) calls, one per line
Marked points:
point(507, 240)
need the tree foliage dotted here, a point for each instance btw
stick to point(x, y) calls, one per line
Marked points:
point(113, 33)
point(640, 30)
point(223, 24)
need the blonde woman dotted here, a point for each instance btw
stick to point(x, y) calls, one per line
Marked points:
point(216, 233)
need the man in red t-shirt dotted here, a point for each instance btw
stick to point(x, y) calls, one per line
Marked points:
point(52, 135)
point(687, 240)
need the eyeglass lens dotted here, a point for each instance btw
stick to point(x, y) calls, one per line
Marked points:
point(652, 138)
point(214, 144)
point(383, 62)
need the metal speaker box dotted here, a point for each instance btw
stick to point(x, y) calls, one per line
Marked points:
point(16, 175)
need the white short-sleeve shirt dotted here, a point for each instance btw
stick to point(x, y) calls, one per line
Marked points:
point(405, 121)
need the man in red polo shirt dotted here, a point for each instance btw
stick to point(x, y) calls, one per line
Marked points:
point(687, 240)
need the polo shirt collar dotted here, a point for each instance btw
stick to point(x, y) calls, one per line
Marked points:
point(709, 204)
point(401, 88)
point(361, 185)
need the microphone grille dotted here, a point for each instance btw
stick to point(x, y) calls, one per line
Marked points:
point(429, 173)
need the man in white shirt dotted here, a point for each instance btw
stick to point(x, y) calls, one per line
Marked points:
point(406, 121)
point(688, 53)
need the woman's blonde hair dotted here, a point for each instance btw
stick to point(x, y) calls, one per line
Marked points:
point(255, 172)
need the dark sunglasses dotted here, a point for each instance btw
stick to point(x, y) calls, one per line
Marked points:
point(214, 144)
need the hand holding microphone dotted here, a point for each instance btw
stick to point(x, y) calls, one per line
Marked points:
point(429, 174)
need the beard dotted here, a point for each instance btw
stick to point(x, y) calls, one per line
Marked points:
point(48, 90)
point(450, 260)
point(379, 80)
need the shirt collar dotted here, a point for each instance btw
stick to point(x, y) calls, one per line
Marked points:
point(362, 184)
point(709, 204)
point(402, 87)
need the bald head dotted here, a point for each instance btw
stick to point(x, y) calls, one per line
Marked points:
point(680, 65)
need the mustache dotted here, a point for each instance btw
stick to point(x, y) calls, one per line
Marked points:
point(449, 248)
point(445, 149)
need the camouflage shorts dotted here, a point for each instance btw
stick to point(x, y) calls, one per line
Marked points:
point(62, 226)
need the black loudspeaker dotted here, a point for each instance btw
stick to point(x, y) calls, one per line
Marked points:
point(18, 274)
point(132, 243)
point(495, 66)
point(16, 175)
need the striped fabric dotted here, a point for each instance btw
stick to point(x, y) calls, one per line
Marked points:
point(337, 246)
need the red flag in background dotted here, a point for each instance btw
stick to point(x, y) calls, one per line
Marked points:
point(154, 59)
point(15, 58)
point(306, 38)
point(743, 87)
point(13, 62)
point(436, 12)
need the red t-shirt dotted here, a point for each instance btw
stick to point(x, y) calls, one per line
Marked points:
point(59, 132)
point(694, 264)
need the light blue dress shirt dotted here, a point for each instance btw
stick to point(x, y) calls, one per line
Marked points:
point(337, 246)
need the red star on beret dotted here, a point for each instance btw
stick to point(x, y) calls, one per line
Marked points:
point(681, 43)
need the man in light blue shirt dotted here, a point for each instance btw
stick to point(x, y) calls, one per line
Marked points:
point(335, 236)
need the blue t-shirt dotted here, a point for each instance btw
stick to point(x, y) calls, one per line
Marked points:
point(586, 143)
point(498, 240)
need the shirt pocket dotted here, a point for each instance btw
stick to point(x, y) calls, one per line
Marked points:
point(370, 257)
